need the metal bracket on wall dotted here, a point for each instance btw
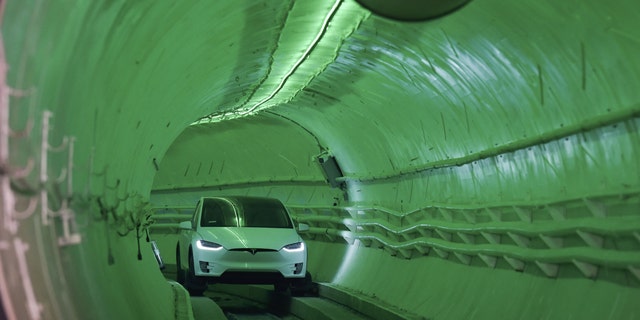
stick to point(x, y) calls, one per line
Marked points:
point(575, 240)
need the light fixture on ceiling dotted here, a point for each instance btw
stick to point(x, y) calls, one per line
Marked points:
point(331, 170)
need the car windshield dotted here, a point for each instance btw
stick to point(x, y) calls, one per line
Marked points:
point(244, 212)
point(218, 213)
point(264, 213)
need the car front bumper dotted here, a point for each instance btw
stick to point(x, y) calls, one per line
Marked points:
point(216, 263)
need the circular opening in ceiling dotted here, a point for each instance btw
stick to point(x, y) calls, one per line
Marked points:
point(412, 10)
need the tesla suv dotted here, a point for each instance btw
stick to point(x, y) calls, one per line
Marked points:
point(240, 239)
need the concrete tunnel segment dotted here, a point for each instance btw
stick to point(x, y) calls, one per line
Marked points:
point(488, 157)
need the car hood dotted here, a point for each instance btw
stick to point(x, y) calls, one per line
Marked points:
point(243, 237)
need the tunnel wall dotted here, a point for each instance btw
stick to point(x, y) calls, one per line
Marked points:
point(104, 77)
point(511, 156)
point(568, 253)
point(523, 138)
point(264, 152)
point(492, 147)
point(98, 72)
point(69, 241)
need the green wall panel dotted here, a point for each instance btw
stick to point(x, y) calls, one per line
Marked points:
point(517, 117)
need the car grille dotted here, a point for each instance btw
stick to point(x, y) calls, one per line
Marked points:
point(253, 250)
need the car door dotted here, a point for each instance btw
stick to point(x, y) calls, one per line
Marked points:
point(186, 235)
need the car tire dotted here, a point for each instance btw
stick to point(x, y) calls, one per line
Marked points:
point(179, 271)
point(281, 286)
point(194, 284)
point(304, 286)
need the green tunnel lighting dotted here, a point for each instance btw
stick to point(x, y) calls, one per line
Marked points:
point(256, 107)
point(486, 152)
point(283, 72)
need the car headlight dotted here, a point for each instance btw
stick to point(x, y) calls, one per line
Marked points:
point(208, 245)
point(294, 247)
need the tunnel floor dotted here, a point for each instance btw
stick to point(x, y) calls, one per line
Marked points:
point(261, 302)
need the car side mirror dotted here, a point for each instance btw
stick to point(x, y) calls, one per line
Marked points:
point(185, 225)
point(303, 227)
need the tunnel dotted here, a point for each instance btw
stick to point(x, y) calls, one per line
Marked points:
point(454, 160)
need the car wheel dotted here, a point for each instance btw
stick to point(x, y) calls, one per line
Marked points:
point(195, 285)
point(304, 286)
point(281, 286)
point(179, 271)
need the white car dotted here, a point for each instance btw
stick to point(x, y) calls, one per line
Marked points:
point(240, 239)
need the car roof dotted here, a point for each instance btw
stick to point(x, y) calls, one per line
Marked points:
point(241, 199)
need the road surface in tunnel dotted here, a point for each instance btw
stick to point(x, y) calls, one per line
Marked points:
point(250, 302)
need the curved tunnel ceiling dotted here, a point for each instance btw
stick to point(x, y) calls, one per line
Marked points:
point(507, 132)
point(259, 149)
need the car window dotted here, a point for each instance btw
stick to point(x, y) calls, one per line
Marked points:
point(194, 218)
point(260, 213)
point(218, 213)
